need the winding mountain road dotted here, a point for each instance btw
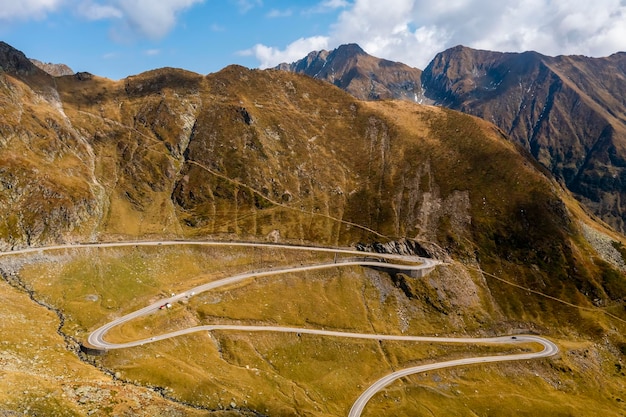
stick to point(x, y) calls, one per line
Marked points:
point(549, 349)
point(405, 263)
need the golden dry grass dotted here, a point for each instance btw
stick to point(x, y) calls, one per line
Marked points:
point(281, 374)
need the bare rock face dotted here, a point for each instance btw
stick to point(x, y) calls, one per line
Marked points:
point(56, 70)
point(567, 111)
point(366, 77)
point(14, 61)
point(400, 247)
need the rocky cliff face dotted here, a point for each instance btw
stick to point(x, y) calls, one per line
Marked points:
point(15, 62)
point(362, 75)
point(46, 166)
point(568, 112)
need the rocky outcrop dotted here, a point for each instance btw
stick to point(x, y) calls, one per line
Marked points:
point(15, 62)
point(400, 247)
point(56, 70)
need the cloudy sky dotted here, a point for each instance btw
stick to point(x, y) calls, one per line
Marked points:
point(116, 38)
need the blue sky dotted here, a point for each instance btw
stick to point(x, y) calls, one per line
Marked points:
point(117, 38)
point(204, 36)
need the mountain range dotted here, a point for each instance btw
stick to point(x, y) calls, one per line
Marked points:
point(568, 111)
point(269, 155)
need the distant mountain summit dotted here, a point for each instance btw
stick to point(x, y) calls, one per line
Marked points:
point(56, 70)
point(569, 112)
point(15, 62)
point(366, 77)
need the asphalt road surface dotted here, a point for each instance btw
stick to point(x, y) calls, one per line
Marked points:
point(405, 263)
point(549, 349)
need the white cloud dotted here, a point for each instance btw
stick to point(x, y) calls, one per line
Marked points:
point(145, 18)
point(149, 18)
point(94, 11)
point(327, 6)
point(270, 56)
point(152, 52)
point(27, 9)
point(388, 30)
point(334, 4)
point(413, 31)
point(274, 13)
point(246, 5)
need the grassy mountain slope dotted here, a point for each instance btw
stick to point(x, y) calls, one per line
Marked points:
point(567, 111)
point(270, 155)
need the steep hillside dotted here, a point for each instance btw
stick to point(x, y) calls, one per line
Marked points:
point(271, 155)
point(362, 75)
point(46, 166)
point(567, 111)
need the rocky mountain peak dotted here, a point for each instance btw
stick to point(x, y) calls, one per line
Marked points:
point(15, 62)
point(364, 76)
point(56, 70)
point(460, 70)
point(349, 50)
